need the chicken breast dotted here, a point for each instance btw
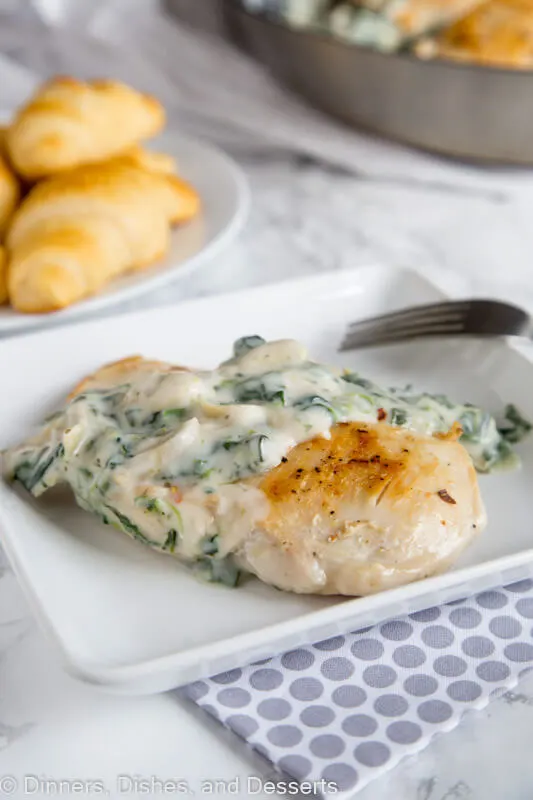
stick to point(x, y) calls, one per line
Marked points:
point(371, 508)
point(498, 34)
point(311, 478)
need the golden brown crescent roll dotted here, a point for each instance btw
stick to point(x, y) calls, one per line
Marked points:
point(75, 232)
point(69, 123)
point(152, 161)
point(9, 195)
point(3, 277)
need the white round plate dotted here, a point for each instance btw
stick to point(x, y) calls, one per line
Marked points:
point(225, 196)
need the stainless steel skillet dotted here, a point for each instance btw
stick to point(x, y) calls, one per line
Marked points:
point(465, 111)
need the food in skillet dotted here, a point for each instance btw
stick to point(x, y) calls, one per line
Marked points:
point(388, 25)
point(313, 479)
point(485, 32)
point(499, 33)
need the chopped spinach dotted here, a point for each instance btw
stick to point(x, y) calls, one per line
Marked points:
point(201, 469)
point(91, 444)
point(475, 424)
point(468, 423)
point(119, 392)
point(175, 413)
point(30, 475)
point(164, 417)
point(257, 390)
point(131, 415)
point(516, 427)
point(231, 443)
point(353, 377)
point(177, 514)
point(130, 527)
point(210, 545)
point(150, 504)
point(315, 401)
point(105, 487)
point(442, 400)
point(245, 344)
point(254, 441)
point(126, 450)
point(171, 541)
point(277, 397)
point(398, 416)
point(220, 570)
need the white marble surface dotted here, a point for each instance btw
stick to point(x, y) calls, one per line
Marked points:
point(305, 218)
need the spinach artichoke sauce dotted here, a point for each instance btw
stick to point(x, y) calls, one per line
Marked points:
point(162, 457)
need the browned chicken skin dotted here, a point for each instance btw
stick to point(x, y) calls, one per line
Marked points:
point(371, 508)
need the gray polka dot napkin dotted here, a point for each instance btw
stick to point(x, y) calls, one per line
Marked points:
point(342, 711)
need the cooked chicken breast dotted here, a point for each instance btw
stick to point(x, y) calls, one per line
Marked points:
point(371, 508)
point(499, 33)
point(311, 478)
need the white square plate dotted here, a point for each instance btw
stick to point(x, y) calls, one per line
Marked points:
point(135, 621)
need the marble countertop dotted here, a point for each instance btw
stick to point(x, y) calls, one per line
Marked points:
point(305, 218)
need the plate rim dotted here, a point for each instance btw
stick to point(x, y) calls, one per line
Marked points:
point(21, 324)
point(128, 678)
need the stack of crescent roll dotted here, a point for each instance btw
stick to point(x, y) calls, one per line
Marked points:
point(81, 200)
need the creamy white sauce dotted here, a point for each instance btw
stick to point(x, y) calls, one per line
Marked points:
point(161, 457)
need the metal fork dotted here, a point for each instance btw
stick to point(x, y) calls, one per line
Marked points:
point(451, 318)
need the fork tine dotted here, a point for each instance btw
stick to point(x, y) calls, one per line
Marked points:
point(418, 328)
point(433, 310)
point(475, 317)
point(373, 337)
point(411, 328)
point(397, 324)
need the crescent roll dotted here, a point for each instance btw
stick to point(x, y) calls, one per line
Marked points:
point(9, 195)
point(151, 160)
point(69, 123)
point(75, 232)
point(3, 276)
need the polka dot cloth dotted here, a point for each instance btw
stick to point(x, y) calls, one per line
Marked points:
point(348, 708)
